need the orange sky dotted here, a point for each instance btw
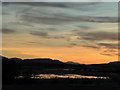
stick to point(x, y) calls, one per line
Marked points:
point(76, 54)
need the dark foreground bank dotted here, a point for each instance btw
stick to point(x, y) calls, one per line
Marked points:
point(63, 84)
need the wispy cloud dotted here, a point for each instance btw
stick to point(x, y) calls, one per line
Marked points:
point(46, 35)
point(109, 45)
point(97, 35)
point(63, 19)
point(58, 13)
point(91, 46)
point(42, 34)
point(107, 54)
point(8, 31)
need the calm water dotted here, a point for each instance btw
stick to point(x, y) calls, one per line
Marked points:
point(52, 76)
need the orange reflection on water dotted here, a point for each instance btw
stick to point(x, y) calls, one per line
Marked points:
point(52, 76)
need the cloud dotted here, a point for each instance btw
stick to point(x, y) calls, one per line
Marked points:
point(42, 34)
point(84, 27)
point(91, 46)
point(108, 45)
point(75, 5)
point(46, 35)
point(107, 49)
point(55, 20)
point(73, 45)
point(111, 47)
point(8, 31)
point(95, 36)
point(110, 53)
point(59, 13)
point(111, 50)
point(44, 20)
point(98, 40)
point(107, 54)
point(60, 1)
point(33, 43)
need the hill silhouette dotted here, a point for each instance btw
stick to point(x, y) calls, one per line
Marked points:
point(40, 65)
point(39, 62)
point(73, 63)
point(43, 60)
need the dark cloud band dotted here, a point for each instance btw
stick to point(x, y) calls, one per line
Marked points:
point(8, 31)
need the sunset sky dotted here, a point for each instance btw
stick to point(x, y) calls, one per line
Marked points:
point(84, 32)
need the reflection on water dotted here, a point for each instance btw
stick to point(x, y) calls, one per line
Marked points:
point(52, 76)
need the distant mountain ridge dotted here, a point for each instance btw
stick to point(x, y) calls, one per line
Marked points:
point(73, 63)
point(44, 60)
point(39, 64)
point(49, 60)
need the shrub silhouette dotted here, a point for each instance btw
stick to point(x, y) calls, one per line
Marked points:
point(10, 69)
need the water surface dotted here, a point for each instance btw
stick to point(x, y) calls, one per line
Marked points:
point(52, 76)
